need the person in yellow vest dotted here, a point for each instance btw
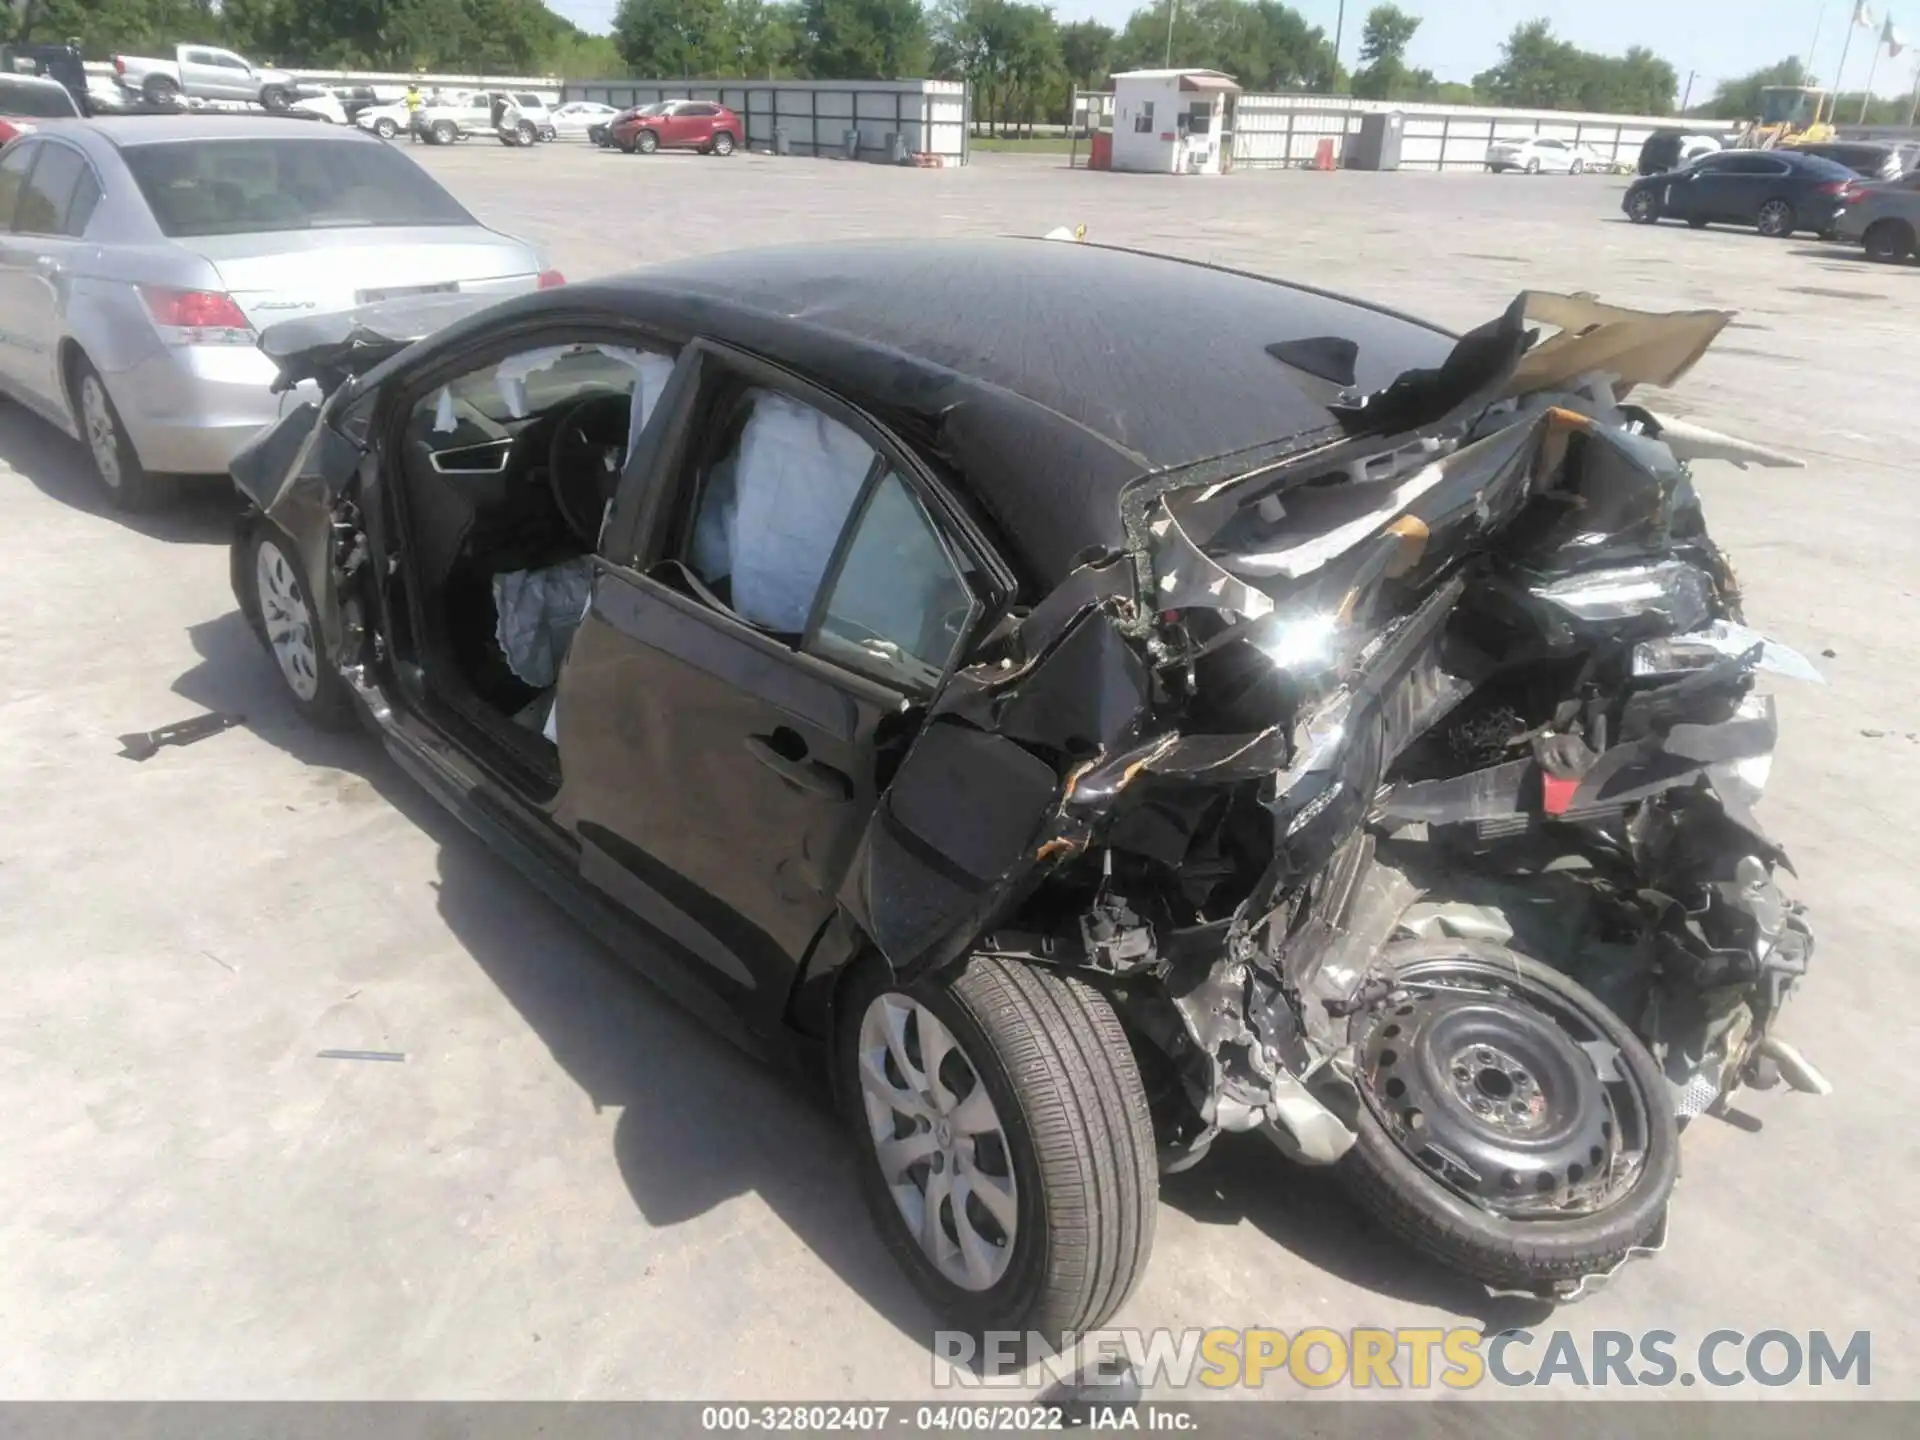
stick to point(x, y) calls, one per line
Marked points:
point(414, 102)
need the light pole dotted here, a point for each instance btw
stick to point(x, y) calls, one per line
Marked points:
point(1339, 25)
point(1173, 9)
point(1687, 94)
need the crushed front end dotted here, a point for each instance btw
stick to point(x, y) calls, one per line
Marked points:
point(1396, 786)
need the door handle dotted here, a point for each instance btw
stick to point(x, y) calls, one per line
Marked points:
point(809, 775)
point(49, 263)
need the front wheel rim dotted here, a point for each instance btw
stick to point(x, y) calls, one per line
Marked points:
point(103, 436)
point(939, 1141)
point(288, 622)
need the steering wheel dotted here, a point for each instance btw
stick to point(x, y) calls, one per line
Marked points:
point(583, 462)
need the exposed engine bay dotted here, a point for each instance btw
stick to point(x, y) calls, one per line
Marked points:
point(1407, 786)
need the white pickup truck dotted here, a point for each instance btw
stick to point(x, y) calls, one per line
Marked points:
point(203, 72)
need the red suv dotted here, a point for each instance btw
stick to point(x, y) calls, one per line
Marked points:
point(680, 125)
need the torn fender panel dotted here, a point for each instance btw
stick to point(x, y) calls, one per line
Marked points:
point(949, 843)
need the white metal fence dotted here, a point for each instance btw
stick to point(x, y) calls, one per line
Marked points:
point(1279, 130)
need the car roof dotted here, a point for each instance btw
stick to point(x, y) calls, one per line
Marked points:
point(122, 131)
point(1050, 373)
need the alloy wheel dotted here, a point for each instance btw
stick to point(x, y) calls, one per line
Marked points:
point(1641, 207)
point(288, 622)
point(103, 434)
point(1775, 219)
point(939, 1140)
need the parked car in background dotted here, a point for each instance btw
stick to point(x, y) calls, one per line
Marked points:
point(535, 111)
point(1777, 192)
point(1867, 160)
point(680, 125)
point(139, 258)
point(1884, 217)
point(1671, 149)
point(325, 106)
point(26, 101)
point(63, 64)
point(203, 72)
point(1538, 154)
point(457, 115)
point(577, 118)
point(600, 132)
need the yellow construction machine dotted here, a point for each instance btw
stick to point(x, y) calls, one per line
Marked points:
point(1790, 115)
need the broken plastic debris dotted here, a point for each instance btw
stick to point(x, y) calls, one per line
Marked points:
point(1674, 653)
point(146, 744)
point(392, 1055)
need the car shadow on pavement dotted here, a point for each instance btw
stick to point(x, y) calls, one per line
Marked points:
point(701, 1122)
point(200, 514)
point(1307, 1212)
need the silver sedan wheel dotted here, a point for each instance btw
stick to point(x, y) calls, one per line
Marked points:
point(289, 626)
point(103, 435)
point(941, 1146)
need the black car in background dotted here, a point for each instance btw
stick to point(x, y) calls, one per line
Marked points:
point(1867, 160)
point(1670, 149)
point(1778, 192)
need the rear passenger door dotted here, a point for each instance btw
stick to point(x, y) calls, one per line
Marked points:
point(50, 210)
point(782, 587)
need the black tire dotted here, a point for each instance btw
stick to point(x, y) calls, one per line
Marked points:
point(160, 90)
point(723, 143)
point(275, 98)
point(443, 132)
point(1776, 220)
point(1694, 222)
point(330, 705)
point(1544, 1255)
point(1578, 166)
point(1533, 167)
point(1888, 242)
point(1053, 1059)
point(386, 129)
point(1643, 207)
point(525, 135)
point(646, 142)
point(549, 134)
point(128, 486)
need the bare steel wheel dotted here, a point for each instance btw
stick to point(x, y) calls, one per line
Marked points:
point(1006, 1150)
point(285, 616)
point(1512, 1126)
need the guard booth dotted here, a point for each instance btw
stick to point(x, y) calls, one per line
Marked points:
point(1173, 122)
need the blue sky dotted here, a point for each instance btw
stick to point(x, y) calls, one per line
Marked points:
point(1715, 38)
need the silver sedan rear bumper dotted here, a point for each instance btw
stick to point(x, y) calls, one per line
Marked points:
point(189, 408)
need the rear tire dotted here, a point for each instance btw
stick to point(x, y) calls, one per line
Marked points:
point(126, 483)
point(1040, 1103)
point(1576, 168)
point(723, 143)
point(160, 90)
point(1888, 242)
point(289, 626)
point(275, 98)
point(1776, 220)
point(1533, 167)
point(1507, 1251)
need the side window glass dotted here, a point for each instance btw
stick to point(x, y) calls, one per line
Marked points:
point(900, 605)
point(771, 507)
point(43, 203)
point(86, 195)
point(13, 179)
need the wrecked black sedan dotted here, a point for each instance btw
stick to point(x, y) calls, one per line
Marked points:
point(1090, 702)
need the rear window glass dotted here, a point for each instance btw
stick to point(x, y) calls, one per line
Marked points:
point(35, 102)
point(240, 187)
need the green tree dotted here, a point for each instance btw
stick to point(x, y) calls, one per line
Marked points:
point(670, 39)
point(1086, 52)
point(1383, 46)
point(1539, 71)
point(1261, 43)
point(864, 39)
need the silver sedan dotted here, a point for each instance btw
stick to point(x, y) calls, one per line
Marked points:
point(140, 258)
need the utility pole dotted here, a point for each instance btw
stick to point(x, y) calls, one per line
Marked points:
point(1339, 26)
point(1173, 9)
point(1914, 107)
point(1866, 97)
point(1806, 65)
point(1687, 94)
